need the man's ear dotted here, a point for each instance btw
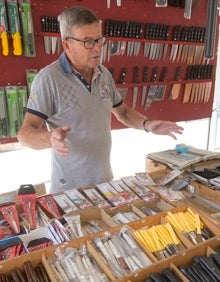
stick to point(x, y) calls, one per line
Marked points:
point(65, 44)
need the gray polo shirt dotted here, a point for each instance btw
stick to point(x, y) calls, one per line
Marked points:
point(62, 97)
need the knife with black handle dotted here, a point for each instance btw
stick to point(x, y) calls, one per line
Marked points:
point(144, 89)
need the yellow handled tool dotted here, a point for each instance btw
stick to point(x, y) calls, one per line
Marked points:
point(5, 48)
point(15, 27)
point(17, 46)
point(4, 29)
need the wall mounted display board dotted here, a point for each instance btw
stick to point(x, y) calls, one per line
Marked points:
point(157, 54)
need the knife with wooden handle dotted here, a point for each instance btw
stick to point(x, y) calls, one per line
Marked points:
point(175, 90)
point(188, 86)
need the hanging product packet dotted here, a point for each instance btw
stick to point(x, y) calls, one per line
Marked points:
point(10, 214)
point(50, 205)
point(27, 198)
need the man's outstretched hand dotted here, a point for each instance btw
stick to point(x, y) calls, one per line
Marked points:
point(57, 140)
point(161, 127)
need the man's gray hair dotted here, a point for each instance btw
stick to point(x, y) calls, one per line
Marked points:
point(75, 16)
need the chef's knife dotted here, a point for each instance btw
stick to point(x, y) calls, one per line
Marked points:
point(135, 90)
point(152, 89)
point(144, 89)
point(175, 90)
point(159, 94)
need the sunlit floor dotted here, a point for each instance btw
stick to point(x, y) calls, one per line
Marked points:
point(129, 150)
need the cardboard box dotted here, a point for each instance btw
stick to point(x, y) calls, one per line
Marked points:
point(157, 205)
point(111, 212)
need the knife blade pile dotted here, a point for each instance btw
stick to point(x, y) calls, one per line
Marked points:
point(156, 50)
point(186, 53)
point(126, 29)
point(51, 43)
point(198, 92)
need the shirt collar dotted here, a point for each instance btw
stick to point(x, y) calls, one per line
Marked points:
point(67, 67)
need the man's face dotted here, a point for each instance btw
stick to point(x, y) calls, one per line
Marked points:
point(80, 57)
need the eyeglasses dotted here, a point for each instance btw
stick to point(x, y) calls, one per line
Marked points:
point(90, 43)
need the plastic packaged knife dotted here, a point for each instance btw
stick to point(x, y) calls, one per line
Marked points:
point(15, 27)
point(13, 109)
point(4, 29)
point(27, 28)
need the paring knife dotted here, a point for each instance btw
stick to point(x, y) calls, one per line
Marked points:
point(175, 90)
point(152, 89)
point(144, 89)
point(159, 95)
point(135, 90)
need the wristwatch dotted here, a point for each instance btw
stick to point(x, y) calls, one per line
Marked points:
point(144, 124)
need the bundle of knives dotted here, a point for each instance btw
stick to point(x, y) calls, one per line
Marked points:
point(195, 87)
point(155, 39)
point(198, 92)
point(52, 42)
point(16, 21)
point(184, 52)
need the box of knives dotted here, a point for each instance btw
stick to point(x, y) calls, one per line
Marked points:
point(93, 220)
point(208, 228)
point(125, 214)
point(154, 207)
point(173, 266)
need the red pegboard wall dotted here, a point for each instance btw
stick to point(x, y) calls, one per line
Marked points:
point(13, 69)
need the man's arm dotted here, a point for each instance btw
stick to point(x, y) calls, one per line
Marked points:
point(133, 119)
point(32, 135)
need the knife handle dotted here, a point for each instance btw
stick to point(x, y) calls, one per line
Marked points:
point(178, 73)
point(122, 75)
point(163, 73)
point(171, 275)
point(154, 74)
point(136, 73)
point(5, 48)
point(145, 74)
point(176, 33)
point(17, 44)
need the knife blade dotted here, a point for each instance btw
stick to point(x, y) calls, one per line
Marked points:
point(135, 90)
point(176, 37)
point(175, 90)
point(159, 94)
point(144, 89)
point(152, 89)
point(188, 9)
